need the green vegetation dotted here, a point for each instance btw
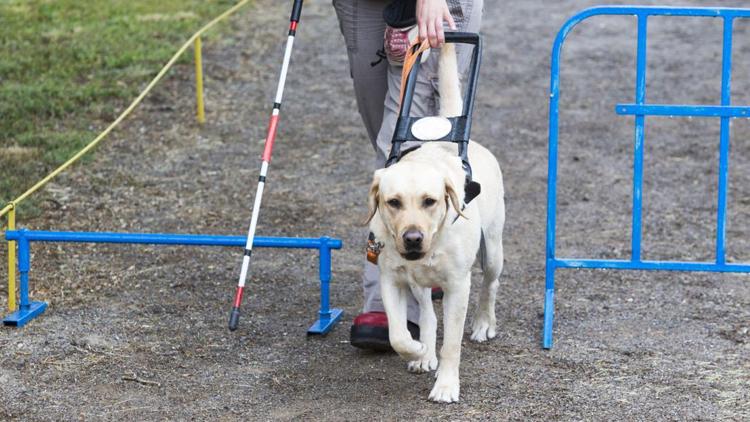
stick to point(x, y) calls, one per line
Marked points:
point(65, 64)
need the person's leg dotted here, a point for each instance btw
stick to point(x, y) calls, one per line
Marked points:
point(361, 23)
point(467, 15)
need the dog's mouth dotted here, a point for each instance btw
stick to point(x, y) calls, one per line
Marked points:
point(413, 256)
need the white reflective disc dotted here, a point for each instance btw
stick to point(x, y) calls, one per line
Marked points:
point(431, 128)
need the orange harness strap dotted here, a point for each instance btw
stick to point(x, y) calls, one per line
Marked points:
point(415, 49)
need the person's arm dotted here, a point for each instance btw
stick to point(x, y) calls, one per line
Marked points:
point(430, 17)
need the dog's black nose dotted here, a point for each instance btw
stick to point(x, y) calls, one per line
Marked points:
point(413, 239)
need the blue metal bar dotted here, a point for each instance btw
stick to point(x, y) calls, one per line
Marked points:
point(711, 12)
point(682, 110)
point(726, 100)
point(549, 304)
point(651, 265)
point(554, 112)
point(638, 11)
point(170, 239)
point(640, 123)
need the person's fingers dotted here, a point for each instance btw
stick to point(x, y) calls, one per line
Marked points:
point(422, 30)
point(440, 33)
point(430, 20)
point(449, 18)
point(422, 19)
point(432, 33)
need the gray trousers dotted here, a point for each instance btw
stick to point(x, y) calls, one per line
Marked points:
point(377, 89)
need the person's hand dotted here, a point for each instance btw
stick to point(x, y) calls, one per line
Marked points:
point(430, 17)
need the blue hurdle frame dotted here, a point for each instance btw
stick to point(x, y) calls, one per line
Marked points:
point(28, 310)
point(640, 109)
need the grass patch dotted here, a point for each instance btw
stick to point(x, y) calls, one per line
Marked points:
point(65, 64)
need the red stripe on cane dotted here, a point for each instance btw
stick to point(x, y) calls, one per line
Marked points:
point(268, 150)
point(293, 26)
point(238, 297)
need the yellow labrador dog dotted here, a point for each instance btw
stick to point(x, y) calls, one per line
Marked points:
point(415, 211)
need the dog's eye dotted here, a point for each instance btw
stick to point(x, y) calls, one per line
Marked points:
point(428, 202)
point(395, 203)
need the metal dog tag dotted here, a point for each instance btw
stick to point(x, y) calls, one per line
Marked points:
point(431, 128)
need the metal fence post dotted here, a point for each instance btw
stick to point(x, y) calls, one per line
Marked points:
point(24, 265)
point(27, 309)
point(327, 317)
point(325, 280)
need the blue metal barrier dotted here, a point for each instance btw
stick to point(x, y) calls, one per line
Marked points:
point(28, 310)
point(640, 109)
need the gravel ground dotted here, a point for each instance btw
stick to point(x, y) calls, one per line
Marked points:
point(139, 333)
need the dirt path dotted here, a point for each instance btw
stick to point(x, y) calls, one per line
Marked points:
point(633, 346)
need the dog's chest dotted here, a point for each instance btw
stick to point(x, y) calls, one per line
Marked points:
point(426, 274)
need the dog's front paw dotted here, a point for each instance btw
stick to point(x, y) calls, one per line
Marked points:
point(445, 391)
point(419, 366)
point(410, 350)
point(483, 330)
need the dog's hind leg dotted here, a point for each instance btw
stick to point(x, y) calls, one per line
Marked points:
point(427, 330)
point(485, 322)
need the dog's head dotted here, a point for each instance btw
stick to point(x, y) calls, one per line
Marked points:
point(412, 201)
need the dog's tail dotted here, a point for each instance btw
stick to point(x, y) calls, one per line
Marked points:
point(449, 84)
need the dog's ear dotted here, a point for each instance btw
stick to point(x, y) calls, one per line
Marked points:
point(450, 195)
point(372, 198)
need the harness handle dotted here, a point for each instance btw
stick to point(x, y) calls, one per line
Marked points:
point(460, 125)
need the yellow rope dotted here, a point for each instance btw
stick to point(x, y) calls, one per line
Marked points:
point(12, 204)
